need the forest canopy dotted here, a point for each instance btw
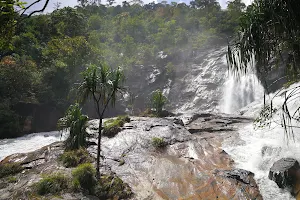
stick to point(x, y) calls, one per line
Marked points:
point(42, 55)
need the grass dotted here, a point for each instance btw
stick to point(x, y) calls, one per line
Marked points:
point(52, 184)
point(112, 126)
point(84, 177)
point(158, 142)
point(11, 179)
point(112, 187)
point(75, 157)
point(8, 169)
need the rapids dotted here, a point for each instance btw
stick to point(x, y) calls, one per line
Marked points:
point(258, 149)
point(28, 143)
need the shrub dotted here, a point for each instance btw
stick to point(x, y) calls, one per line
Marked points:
point(158, 101)
point(84, 177)
point(112, 187)
point(112, 126)
point(75, 157)
point(76, 122)
point(10, 169)
point(158, 142)
point(52, 184)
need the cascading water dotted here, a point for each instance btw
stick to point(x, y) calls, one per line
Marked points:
point(28, 143)
point(239, 92)
point(257, 150)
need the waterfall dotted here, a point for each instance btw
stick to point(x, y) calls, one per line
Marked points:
point(238, 92)
point(258, 149)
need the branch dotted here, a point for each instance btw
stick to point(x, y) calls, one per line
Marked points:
point(42, 10)
point(36, 11)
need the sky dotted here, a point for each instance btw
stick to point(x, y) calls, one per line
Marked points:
point(73, 3)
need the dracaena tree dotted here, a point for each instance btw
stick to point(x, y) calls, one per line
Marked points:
point(101, 84)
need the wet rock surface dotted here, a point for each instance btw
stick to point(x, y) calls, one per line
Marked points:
point(286, 174)
point(190, 166)
point(186, 167)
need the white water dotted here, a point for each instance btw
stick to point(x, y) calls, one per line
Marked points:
point(238, 93)
point(28, 143)
point(259, 149)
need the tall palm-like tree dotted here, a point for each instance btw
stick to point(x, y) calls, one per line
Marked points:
point(101, 84)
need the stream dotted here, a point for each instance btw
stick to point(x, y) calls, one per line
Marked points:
point(255, 150)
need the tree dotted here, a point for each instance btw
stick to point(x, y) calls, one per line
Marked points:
point(158, 100)
point(77, 123)
point(102, 85)
point(11, 14)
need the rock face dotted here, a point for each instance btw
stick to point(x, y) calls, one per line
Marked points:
point(192, 165)
point(285, 172)
point(195, 84)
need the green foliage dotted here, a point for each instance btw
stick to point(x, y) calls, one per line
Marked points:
point(112, 126)
point(84, 177)
point(47, 52)
point(8, 169)
point(267, 30)
point(12, 179)
point(158, 101)
point(158, 142)
point(76, 122)
point(52, 184)
point(112, 187)
point(265, 116)
point(75, 157)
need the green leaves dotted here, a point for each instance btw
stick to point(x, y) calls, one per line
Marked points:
point(158, 100)
point(102, 84)
point(76, 122)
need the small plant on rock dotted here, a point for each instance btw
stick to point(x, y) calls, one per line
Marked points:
point(158, 101)
point(158, 142)
point(52, 184)
point(112, 187)
point(75, 157)
point(84, 177)
point(8, 169)
point(113, 126)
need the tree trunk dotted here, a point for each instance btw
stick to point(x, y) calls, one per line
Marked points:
point(99, 149)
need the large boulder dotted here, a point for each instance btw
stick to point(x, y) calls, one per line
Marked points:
point(285, 172)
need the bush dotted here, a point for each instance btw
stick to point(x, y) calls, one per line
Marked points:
point(158, 101)
point(75, 157)
point(52, 184)
point(10, 169)
point(84, 177)
point(158, 142)
point(112, 126)
point(112, 187)
point(76, 122)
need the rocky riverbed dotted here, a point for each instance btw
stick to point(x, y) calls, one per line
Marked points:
point(192, 165)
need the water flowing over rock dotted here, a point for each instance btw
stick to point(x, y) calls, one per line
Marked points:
point(194, 83)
